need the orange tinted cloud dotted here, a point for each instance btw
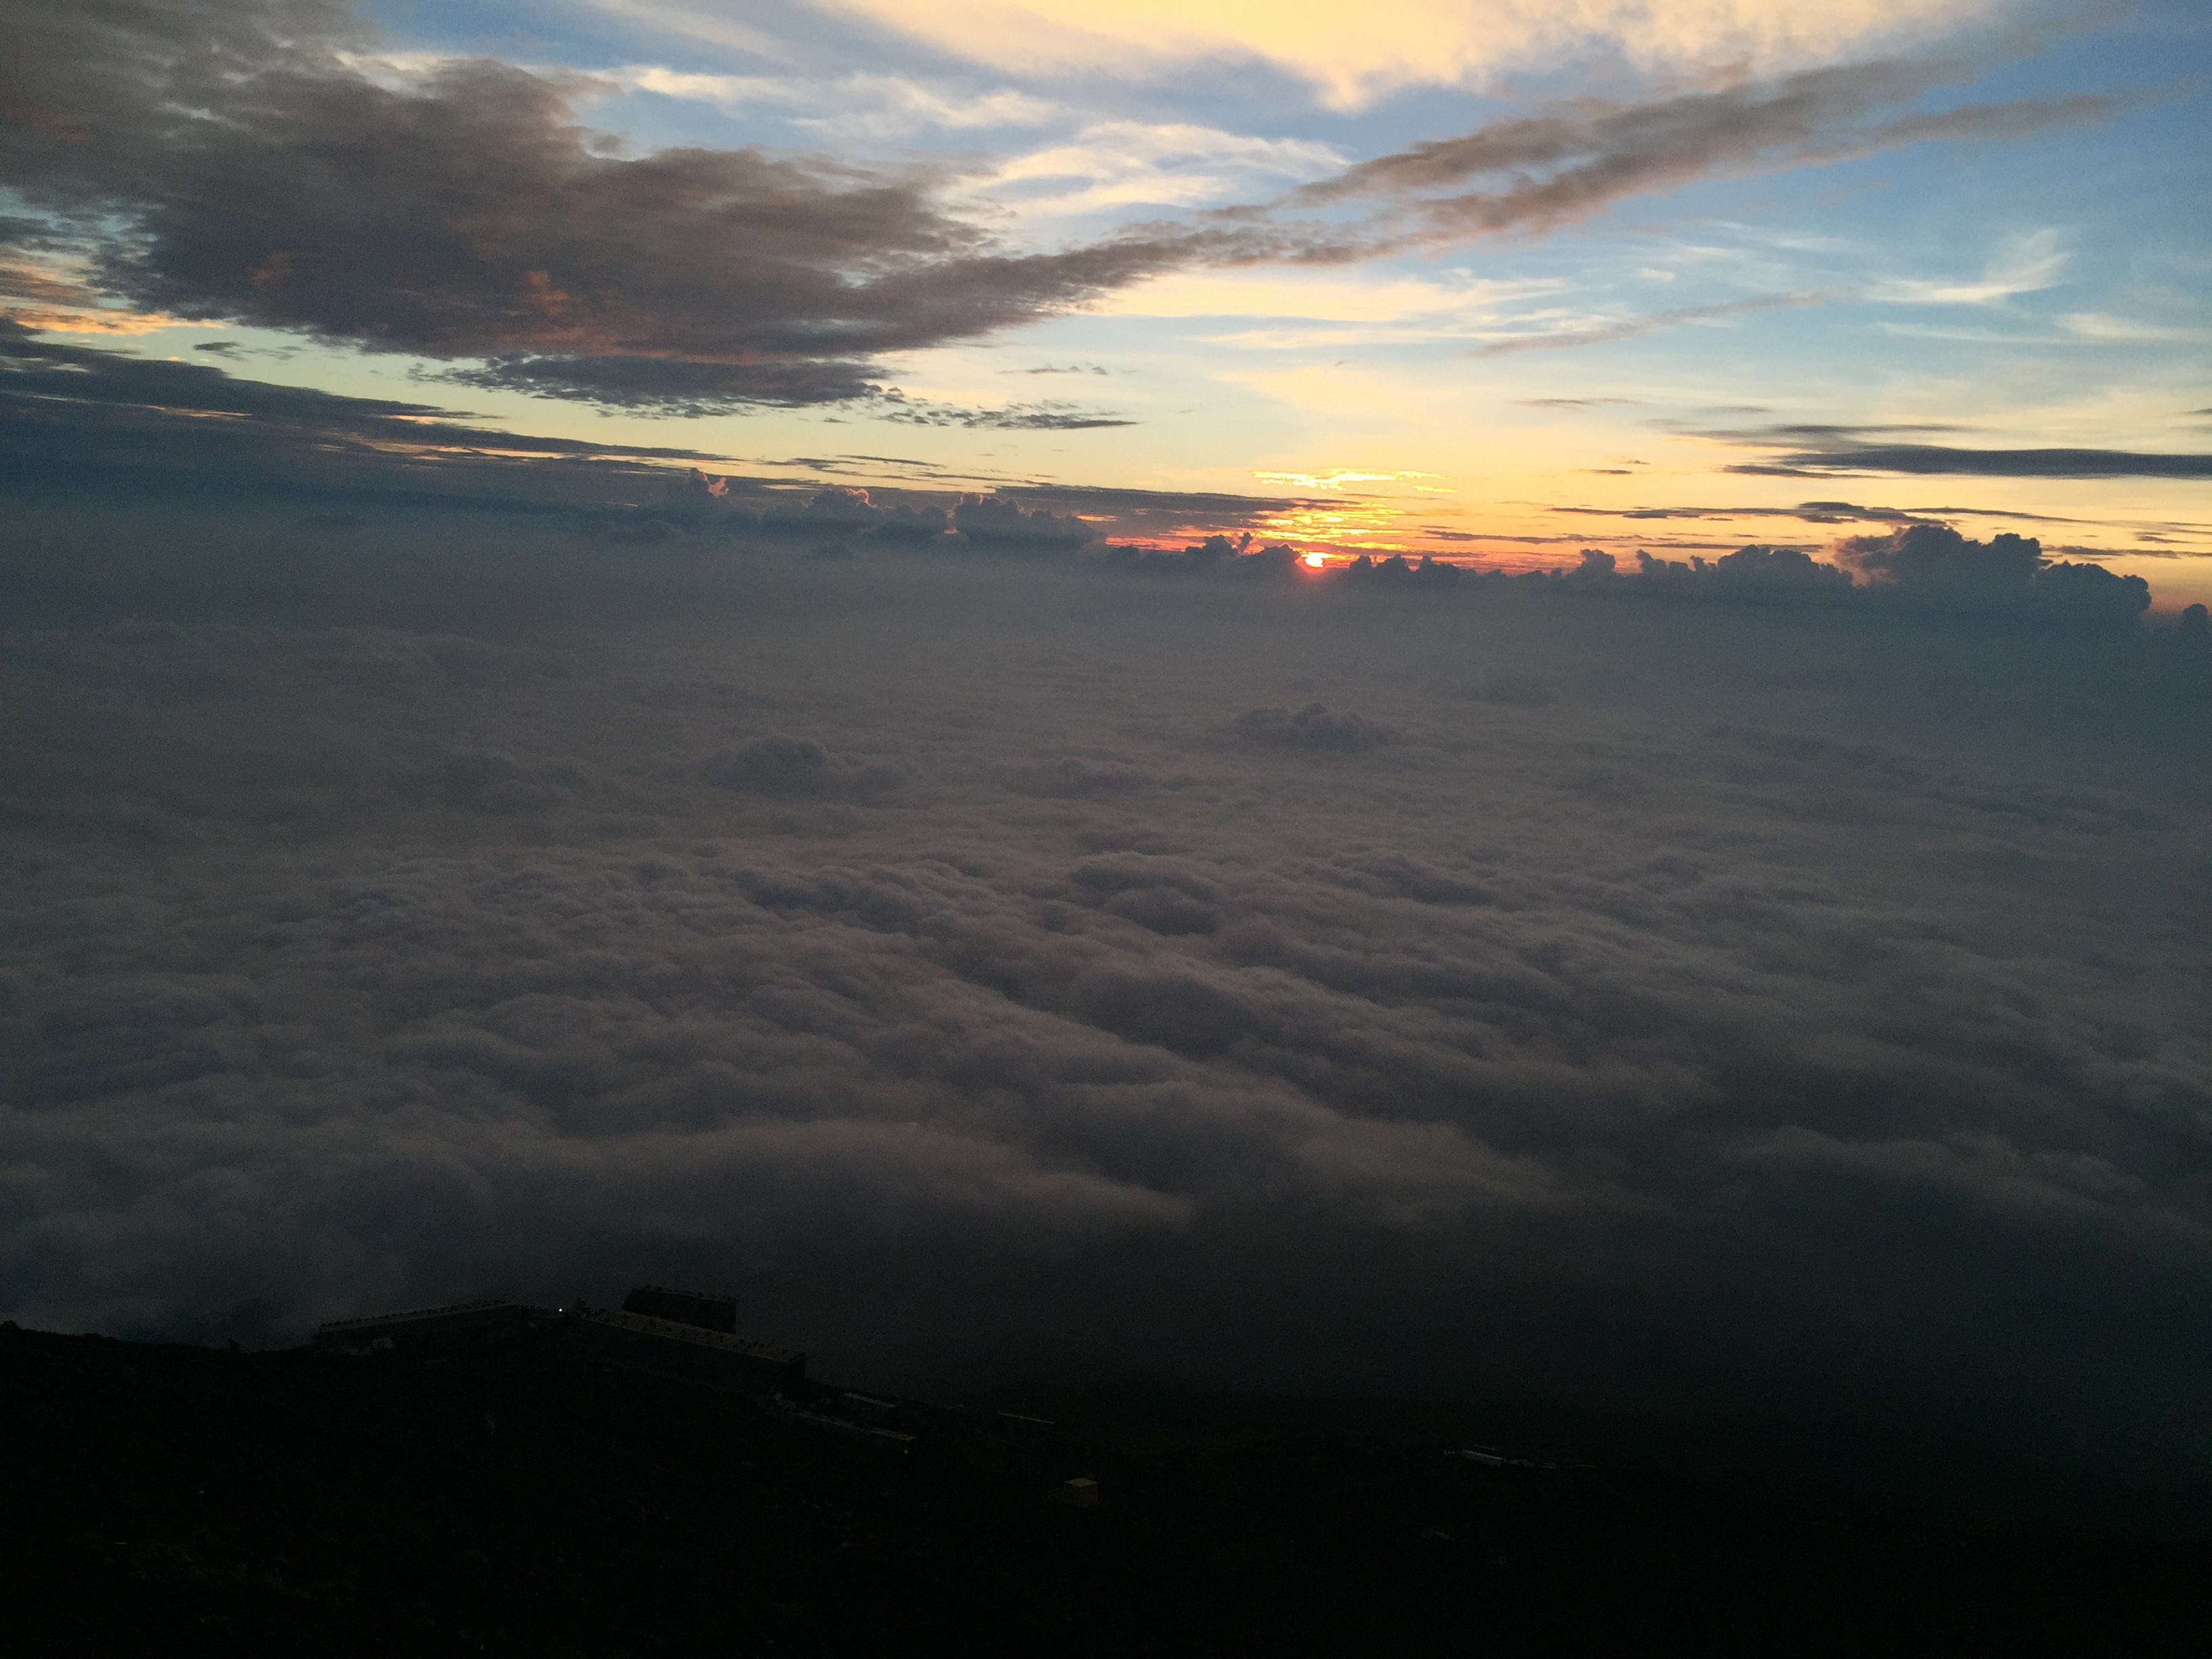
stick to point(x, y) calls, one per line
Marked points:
point(74, 321)
point(1352, 53)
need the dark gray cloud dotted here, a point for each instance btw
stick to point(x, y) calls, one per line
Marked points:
point(997, 520)
point(1916, 564)
point(1046, 416)
point(1931, 458)
point(1804, 513)
point(1841, 512)
point(1561, 166)
point(1153, 516)
point(469, 217)
point(1813, 451)
point(1313, 726)
point(73, 414)
point(672, 385)
point(76, 379)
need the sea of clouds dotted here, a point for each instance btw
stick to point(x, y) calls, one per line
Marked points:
point(978, 965)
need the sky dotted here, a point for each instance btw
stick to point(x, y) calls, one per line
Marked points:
point(1488, 281)
point(643, 643)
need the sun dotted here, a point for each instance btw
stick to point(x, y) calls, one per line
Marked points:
point(1314, 560)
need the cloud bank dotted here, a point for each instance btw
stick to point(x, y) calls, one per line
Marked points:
point(971, 961)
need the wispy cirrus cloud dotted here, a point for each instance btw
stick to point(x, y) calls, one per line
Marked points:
point(1351, 55)
point(1554, 168)
point(1115, 164)
point(862, 106)
point(1630, 328)
point(2026, 264)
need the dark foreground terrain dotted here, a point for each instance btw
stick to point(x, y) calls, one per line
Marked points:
point(520, 1500)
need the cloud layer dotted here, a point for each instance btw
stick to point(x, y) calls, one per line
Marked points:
point(68, 414)
point(975, 960)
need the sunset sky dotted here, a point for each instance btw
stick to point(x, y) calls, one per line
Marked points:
point(1490, 279)
point(487, 812)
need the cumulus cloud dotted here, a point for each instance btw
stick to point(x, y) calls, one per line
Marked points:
point(1935, 563)
point(1311, 728)
point(1048, 416)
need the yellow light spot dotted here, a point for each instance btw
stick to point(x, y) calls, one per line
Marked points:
point(1314, 560)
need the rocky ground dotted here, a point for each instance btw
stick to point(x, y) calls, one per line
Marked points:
point(166, 1498)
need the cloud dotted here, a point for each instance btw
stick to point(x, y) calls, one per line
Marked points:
point(1353, 57)
point(1818, 513)
point(1323, 297)
point(861, 105)
point(453, 208)
point(688, 22)
point(76, 412)
point(933, 935)
point(1112, 164)
point(1804, 513)
point(2026, 263)
point(1834, 452)
point(1915, 564)
point(1633, 327)
point(1049, 416)
point(2126, 330)
point(1565, 166)
point(461, 214)
point(672, 386)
